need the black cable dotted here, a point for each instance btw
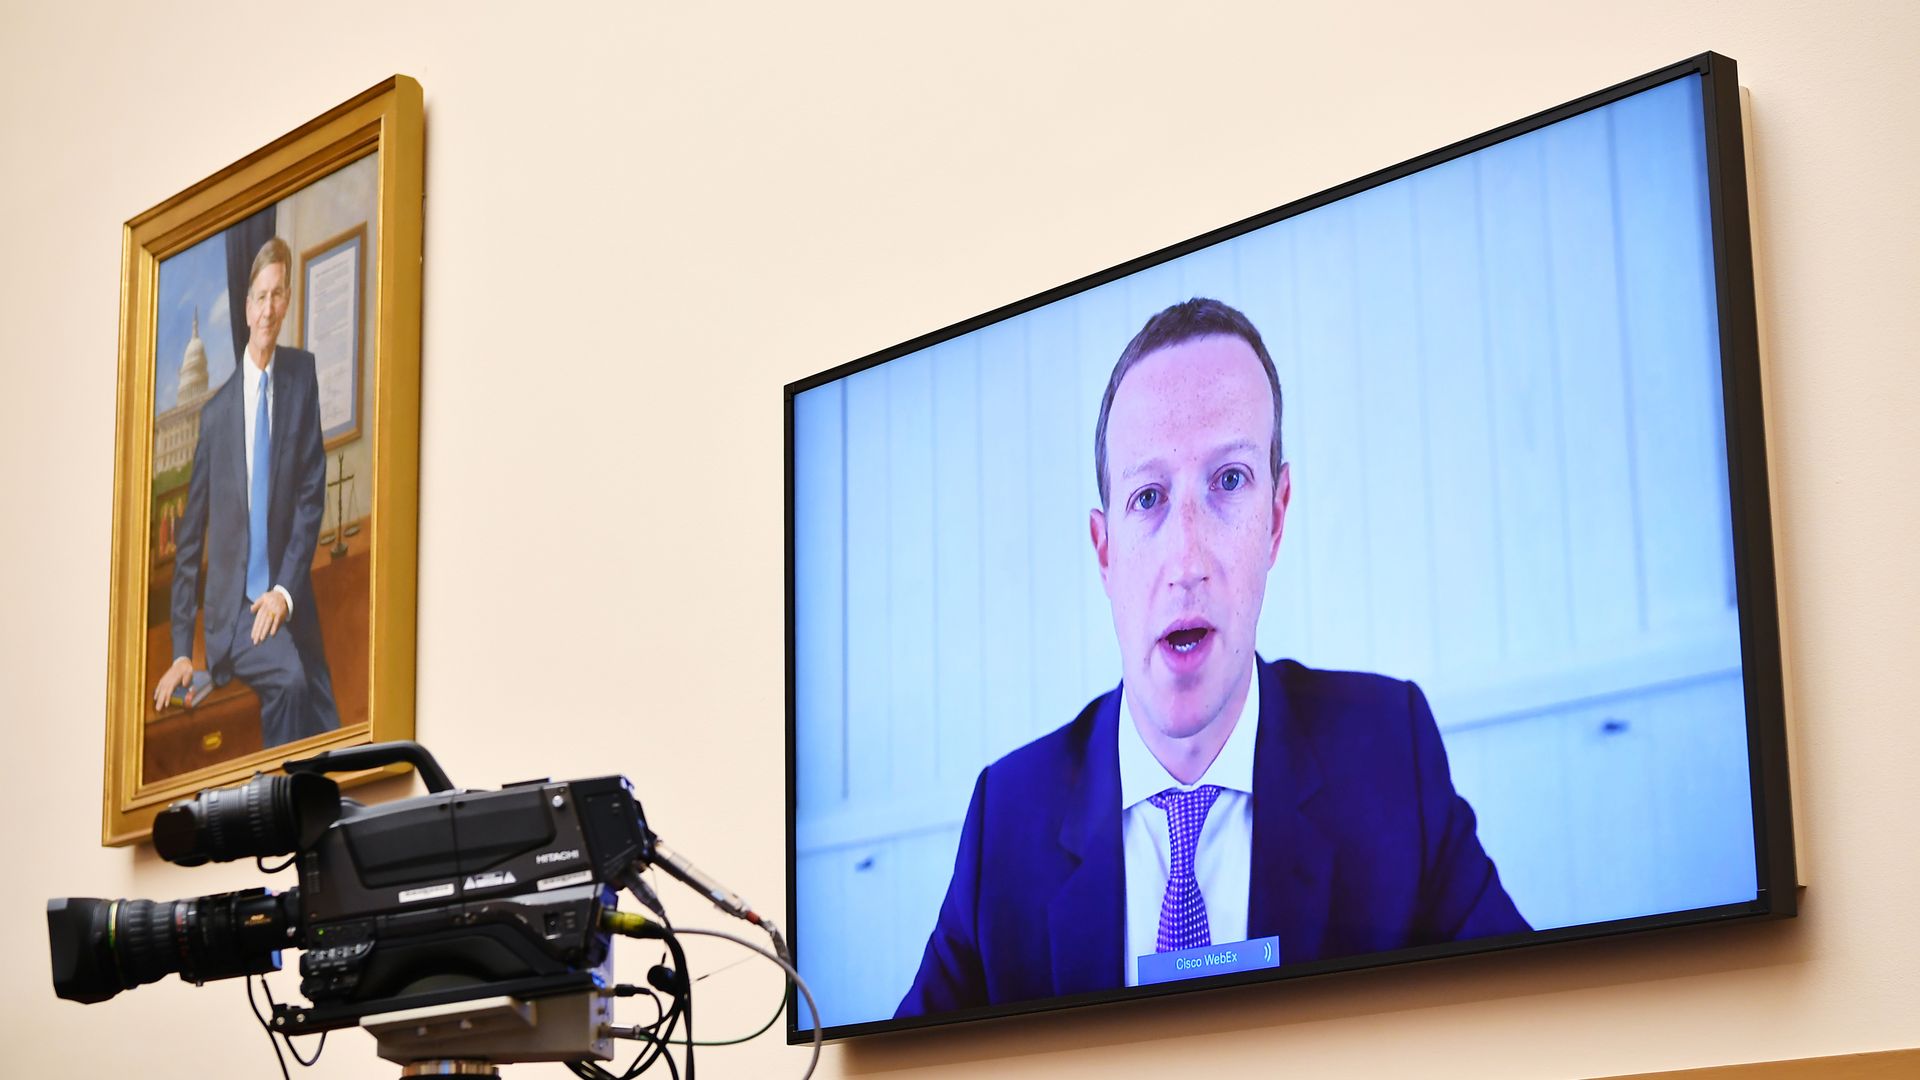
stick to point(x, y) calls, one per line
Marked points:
point(656, 1043)
point(685, 982)
point(266, 1027)
point(657, 1034)
point(260, 861)
point(779, 1007)
point(793, 973)
point(659, 1010)
point(589, 1070)
point(661, 1048)
point(662, 1032)
point(306, 1063)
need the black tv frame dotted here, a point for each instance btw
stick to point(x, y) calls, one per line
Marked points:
point(1750, 519)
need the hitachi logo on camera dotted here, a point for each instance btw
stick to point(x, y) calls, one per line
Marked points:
point(557, 856)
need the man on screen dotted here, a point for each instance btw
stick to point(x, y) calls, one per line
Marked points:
point(1213, 797)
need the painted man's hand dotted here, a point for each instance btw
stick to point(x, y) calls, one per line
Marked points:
point(268, 613)
point(180, 674)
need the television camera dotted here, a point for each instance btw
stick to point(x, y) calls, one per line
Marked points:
point(458, 926)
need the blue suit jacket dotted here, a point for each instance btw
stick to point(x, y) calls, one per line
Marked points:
point(1360, 845)
point(215, 518)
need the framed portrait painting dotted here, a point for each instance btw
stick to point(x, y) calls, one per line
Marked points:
point(267, 464)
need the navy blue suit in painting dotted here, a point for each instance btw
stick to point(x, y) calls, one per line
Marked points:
point(288, 671)
point(1360, 845)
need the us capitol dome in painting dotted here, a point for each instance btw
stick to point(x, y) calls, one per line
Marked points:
point(176, 430)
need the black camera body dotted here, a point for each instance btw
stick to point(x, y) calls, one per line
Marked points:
point(463, 888)
point(475, 887)
point(444, 897)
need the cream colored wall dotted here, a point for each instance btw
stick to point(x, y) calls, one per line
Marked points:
point(644, 218)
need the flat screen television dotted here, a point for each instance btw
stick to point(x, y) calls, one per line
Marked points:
point(1384, 577)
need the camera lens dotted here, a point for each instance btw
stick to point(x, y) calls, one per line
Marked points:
point(267, 815)
point(101, 947)
point(79, 930)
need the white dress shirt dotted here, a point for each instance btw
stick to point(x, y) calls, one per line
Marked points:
point(1223, 860)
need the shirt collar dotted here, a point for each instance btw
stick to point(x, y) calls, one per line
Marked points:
point(251, 372)
point(1142, 775)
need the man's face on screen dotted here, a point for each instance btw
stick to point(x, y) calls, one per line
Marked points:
point(1192, 526)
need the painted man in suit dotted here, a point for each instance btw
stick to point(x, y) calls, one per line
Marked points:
point(254, 504)
point(1213, 797)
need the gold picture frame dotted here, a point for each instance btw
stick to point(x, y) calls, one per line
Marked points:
point(323, 657)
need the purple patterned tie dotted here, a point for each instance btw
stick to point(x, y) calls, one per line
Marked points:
point(1183, 911)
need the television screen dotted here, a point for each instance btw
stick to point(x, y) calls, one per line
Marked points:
point(1384, 577)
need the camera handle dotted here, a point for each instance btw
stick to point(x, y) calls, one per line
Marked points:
point(374, 756)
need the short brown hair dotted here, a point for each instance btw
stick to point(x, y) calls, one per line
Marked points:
point(1184, 322)
point(275, 250)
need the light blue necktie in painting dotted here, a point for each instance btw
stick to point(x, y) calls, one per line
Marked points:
point(257, 583)
point(1183, 911)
